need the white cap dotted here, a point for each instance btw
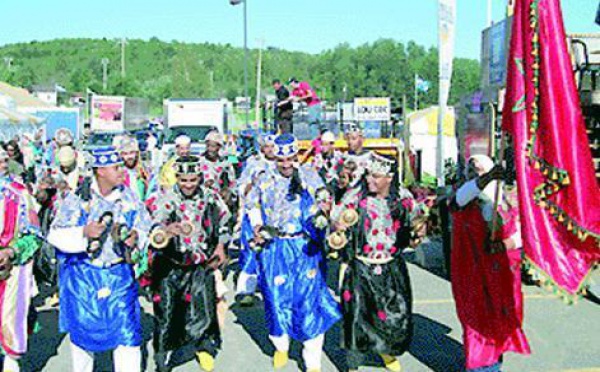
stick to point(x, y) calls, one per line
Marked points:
point(66, 156)
point(183, 140)
point(328, 137)
point(214, 136)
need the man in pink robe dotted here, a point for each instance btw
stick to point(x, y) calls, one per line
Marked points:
point(486, 272)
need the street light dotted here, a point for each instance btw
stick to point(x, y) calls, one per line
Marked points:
point(237, 2)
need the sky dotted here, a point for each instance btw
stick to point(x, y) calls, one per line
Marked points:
point(303, 25)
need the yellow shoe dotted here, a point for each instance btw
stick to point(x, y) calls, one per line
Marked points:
point(314, 370)
point(280, 359)
point(391, 363)
point(207, 362)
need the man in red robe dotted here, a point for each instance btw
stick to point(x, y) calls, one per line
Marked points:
point(486, 268)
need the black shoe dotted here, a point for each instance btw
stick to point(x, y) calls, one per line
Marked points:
point(162, 365)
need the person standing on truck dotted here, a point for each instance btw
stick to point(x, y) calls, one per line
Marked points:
point(284, 109)
point(303, 92)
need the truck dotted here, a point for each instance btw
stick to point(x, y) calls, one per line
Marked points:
point(117, 114)
point(194, 117)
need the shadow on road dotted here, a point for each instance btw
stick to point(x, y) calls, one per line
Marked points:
point(432, 346)
point(44, 343)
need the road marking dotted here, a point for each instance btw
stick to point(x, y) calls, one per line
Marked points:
point(451, 300)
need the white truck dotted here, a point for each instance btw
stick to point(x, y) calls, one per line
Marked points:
point(194, 117)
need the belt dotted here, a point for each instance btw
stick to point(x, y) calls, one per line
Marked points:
point(105, 265)
point(375, 261)
point(291, 236)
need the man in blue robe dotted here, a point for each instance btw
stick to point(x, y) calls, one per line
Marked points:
point(285, 220)
point(101, 232)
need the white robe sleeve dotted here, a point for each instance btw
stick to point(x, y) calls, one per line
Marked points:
point(467, 192)
point(68, 239)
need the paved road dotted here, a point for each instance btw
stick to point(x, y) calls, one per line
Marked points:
point(563, 338)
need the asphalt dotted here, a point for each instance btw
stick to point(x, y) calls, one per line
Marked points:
point(563, 338)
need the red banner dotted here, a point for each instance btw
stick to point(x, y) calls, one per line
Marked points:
point(558, 194)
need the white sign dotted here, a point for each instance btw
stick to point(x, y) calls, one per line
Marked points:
point(107, 113)
point(372, 109)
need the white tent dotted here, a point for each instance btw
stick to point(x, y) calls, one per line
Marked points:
point(423, 136)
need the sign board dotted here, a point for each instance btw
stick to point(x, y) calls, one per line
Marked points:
point(107, 113)
point(372, 109)
point(57, 118)
point(495, 44)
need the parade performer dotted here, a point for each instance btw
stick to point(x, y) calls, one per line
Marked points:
point(214, 163)
point(256, 165)
point(18, 244)
point(373, 229)
point(137, 176)
point(486, 270)
point(329, 161)
point(168, 174)
point(189, 238)
point(285, 221)
point(67, 170)
point(212, 160)
point(107, 228)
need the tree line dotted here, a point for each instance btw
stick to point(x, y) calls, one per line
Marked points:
point(158, 69)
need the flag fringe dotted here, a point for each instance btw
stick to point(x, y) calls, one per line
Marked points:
point(547, 283)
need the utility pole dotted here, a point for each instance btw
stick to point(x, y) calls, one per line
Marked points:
point(105, 62)
point(258, 80)
point(8, 61)
point(416, 93)
point(123, 42)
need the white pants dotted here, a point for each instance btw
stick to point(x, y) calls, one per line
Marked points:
point(246, 283)
point(311, 352)
point(10, 364)
point(126, 359)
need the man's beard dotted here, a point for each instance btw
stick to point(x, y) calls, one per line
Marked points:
point(132, 164)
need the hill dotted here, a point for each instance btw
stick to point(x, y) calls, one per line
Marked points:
point(157, 69)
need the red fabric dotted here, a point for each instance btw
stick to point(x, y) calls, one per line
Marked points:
point(487, 291)
point(561, 142)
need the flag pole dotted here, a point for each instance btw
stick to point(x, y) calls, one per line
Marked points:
point(498, 185)
point(416, 94)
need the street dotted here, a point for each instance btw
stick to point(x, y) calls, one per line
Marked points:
point(562, 338)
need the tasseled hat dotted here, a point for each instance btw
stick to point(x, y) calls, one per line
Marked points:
point(105, 157)
point(286, 145)
point(187, 165)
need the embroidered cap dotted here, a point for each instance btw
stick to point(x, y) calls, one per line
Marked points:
point(105, 157)
point(214, 136)
point(268, 139)
point(286, 145)
point(381, 165)
point(63, 136)
point(352, 128)
point(187, 165)
point(127, 144)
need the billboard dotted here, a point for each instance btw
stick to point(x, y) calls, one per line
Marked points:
point(372, 109)
point(57, 118)
point(494, 53)
point(107, 113)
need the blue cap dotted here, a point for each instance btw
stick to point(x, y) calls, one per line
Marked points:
point(286, 145)
point(105, 157)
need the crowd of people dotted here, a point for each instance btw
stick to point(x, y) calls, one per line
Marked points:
point(102, 228)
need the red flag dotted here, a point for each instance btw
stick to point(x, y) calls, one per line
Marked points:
point(558, 193)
